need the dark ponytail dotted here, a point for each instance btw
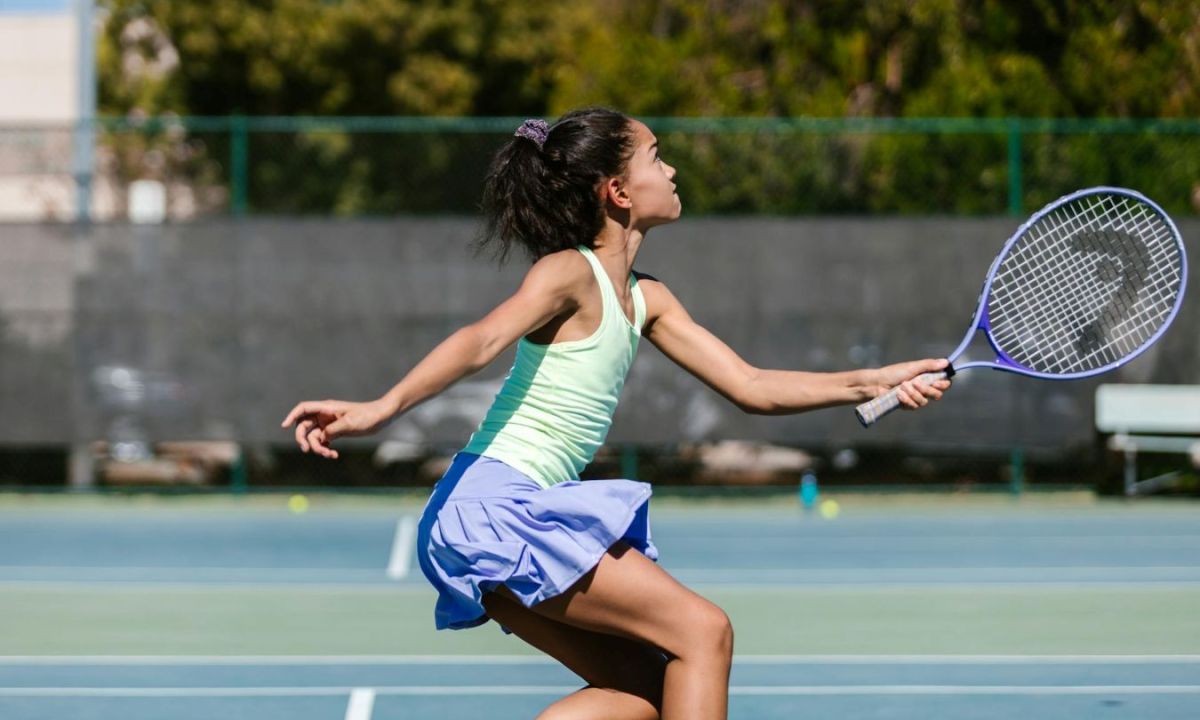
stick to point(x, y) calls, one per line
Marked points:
point(545, 199)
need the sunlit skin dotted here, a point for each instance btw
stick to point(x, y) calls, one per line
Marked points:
point(610, 627)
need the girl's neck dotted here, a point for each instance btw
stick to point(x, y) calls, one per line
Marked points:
point(618, 244)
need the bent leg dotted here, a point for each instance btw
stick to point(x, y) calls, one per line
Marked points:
point(625, 678)
point(629, 596)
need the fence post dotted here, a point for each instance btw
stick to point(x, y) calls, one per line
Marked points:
point(83, 155)
point(238, 475)
point(1016, 204)
point(629, 462)
point(1016, 468)
point(239, 143)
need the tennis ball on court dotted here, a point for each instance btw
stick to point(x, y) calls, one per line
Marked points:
point(830, 509)
point(298, 504)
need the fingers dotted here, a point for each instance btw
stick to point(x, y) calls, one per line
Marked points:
point(314, 423)
point(912, 368)
point(910, 395)
point(298, 411)
point(332, 430)
point(313, 439)
point(340, 427)
point(915, 393)
point(329, 407)
point(302, 430)
point(318, 440)
point(928, 365)
point(936, 364)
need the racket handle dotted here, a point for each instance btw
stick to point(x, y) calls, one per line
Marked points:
point(872, 410)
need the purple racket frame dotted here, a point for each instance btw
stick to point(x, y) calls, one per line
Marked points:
point(870, 412)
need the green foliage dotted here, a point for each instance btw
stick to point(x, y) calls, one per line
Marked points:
point(899, 58)
point(770, 58)
point(311, 57)
point(353, 57)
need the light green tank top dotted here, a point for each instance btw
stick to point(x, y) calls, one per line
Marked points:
point(557, 403)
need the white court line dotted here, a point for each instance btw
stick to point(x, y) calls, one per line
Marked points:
point(406, 532)
point(969, 690)
point(336, 660)
point(932, 585)
point(406, 588)
point(362, 703)
point(454, 690)
point(1078, 573)
point(967, 659)
point(227, 586)
point(97, 573)
point(402, 548)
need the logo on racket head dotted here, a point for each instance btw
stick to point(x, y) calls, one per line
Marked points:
point(1125, 263)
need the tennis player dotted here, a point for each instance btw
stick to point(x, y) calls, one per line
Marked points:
point(510, 533)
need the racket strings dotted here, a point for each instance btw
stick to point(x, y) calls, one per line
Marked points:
point(1085, 285)
point(1049, 296)
point(1046, 291)
point(1090, 335)
point(1134, 277)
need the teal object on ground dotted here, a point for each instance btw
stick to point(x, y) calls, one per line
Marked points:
point(808, 490)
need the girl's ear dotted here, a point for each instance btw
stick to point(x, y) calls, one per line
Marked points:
point(613, 191)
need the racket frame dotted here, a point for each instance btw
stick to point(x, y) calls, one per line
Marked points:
point(980, 320)
point(870, 412)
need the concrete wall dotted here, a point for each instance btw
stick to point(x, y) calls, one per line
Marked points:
point(214, 330)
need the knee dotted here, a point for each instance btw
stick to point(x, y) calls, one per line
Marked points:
point(555, 713)
point(710, 630)
point(592, 703)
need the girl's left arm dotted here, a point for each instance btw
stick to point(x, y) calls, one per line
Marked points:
point(772, 392)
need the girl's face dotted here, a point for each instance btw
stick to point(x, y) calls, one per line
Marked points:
point(648, 183)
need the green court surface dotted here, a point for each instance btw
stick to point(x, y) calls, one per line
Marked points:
point(74, 619)
point(915, 607)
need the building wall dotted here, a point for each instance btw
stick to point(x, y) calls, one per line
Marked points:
point(39, 83)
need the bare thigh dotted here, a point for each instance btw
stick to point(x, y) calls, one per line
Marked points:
point(630, 596)
point(602, 660)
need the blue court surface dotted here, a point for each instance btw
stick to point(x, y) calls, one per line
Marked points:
point(919, 608)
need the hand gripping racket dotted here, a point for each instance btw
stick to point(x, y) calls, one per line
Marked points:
point(1083, 287)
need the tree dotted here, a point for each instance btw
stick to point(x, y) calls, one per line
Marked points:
point(897, 58)
point(311, 57)
point(770, 58)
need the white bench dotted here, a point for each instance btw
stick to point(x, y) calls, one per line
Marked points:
point(1140, 418)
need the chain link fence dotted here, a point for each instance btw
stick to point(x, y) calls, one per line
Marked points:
point(350, 167)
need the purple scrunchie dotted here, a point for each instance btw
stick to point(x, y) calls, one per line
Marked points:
point(535, 130)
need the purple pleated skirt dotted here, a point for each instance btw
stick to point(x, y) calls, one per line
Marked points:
point(487, 524)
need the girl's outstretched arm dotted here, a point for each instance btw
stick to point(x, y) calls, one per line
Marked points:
point(772, 392)
point(550, 289)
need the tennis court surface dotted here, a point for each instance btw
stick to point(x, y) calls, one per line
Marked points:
point(974, 607)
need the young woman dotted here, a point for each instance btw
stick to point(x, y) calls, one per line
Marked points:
point(510, 533)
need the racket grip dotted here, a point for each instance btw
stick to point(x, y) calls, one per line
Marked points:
point(872, 410)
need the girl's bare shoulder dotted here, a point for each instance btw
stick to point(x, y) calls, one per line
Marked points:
point(564, 260)
point(563, 272)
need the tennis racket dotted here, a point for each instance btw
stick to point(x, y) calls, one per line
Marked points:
point(1082, 287)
